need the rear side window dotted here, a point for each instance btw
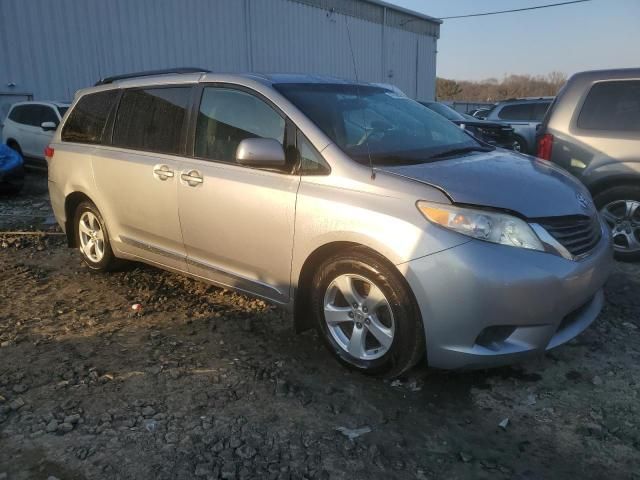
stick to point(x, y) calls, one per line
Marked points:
point(519, 111)
point(539, 109)
point(88, 118)
point(612, 106)
point(28, 115)
point(152, 119)
point(227, 117)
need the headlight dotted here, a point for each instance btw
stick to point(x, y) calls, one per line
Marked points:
point(483, 225)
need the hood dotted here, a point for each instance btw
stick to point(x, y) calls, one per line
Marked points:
point(500, 179)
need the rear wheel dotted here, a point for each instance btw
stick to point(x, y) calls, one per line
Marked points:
point(519, 145)
point(93, 239)
point(366, 314)
point(620, 208)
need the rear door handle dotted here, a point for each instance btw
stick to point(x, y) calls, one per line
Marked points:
point(162, 172)
point(193, 178)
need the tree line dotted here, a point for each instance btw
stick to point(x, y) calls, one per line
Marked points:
point(494, 90)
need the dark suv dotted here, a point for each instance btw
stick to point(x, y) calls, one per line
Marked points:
point(593, 130)
point(524, 115)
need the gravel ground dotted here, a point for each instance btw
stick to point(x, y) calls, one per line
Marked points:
point(205, 383)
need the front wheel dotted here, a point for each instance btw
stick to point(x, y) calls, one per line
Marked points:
point(93, 239)
point(620, 208)
point(366, 314)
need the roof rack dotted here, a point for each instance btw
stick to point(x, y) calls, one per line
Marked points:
point(149, 73)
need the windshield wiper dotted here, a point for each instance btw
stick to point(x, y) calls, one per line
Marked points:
point(459, 151)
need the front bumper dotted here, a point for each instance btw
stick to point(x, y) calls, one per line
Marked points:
point(486, 305)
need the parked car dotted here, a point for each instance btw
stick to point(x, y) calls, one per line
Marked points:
point(29, 127)
point(410, 235)
point(493, 133)
point(593, 130)
point(11, 170)
point(524, 115)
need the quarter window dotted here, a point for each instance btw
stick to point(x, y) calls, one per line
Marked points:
point(152, 119)
point(311, 162)
point(87, 120)
point(612, 106)
point(226, 117)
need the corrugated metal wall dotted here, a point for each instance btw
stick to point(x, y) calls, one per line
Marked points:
point(52, 48)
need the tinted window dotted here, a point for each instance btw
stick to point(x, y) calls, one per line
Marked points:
point(28, 115)
point(612, 106)
point(62, 111)
point(539, 109)
point(47, 114)
point(226, 117)
point(311, 162)
point(519, 111)
point(88, 118)
point(152, 119)
point(371, 123)
point(16, 114)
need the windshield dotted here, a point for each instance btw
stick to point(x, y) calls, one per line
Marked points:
point(444, 110)
point(366, 120)
point(62, 110)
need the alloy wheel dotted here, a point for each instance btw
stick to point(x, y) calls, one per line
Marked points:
point(623, 217)
point(359, 317)
point(91, 237)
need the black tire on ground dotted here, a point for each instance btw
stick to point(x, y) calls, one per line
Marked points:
point(621, 192)
point(408, 344)
point(108, 261)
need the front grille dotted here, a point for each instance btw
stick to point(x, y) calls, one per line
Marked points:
point(578, 234)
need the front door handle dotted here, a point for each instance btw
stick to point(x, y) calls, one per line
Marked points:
point(193, 178)
point(162, 172)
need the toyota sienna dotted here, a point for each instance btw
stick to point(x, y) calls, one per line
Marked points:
point(393, 232)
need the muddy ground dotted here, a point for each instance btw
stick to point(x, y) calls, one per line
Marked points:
point(205, 383)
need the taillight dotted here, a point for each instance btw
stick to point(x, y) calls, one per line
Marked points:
point(48, 152)
point(545, 146)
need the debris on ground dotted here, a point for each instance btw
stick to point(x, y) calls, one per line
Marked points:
point(208, 383)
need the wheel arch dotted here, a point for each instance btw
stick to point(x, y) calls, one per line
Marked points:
point(302, 319)
point(11, 142)
point(71, 203)
point(611, 181)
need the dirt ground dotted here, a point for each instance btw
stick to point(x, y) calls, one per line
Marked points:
point(206, 383)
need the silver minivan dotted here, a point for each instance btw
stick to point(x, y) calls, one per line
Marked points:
point(391, 231)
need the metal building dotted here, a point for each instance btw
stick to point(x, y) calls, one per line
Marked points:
point(50, 49)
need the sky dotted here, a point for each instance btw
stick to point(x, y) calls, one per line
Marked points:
point(568, 39)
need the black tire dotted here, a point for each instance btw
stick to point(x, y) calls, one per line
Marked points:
point(520, 145)
point(619, 193)
point(108, 260)
point(408, 343)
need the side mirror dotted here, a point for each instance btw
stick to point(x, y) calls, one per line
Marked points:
point(48, 126)
point(260, 152)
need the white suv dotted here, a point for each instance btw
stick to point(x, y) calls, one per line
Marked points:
point(29, 127)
